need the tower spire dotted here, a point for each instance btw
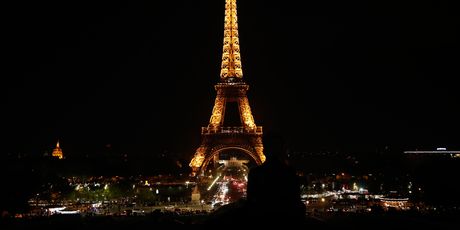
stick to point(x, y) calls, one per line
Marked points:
point(231, 58)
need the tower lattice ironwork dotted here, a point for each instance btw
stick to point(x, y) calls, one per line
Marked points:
point(247, 137)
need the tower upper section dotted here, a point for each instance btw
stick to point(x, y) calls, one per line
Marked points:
point(231, 59)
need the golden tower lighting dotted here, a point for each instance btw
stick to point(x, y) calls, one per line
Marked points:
point(247, 137)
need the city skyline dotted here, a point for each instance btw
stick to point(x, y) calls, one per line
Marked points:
point(137, 77)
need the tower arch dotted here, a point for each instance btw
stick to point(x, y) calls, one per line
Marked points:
point(247, 150)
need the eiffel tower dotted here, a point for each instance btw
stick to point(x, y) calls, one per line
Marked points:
point(245, 138)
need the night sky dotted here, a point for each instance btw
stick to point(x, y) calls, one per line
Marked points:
point(138, 77)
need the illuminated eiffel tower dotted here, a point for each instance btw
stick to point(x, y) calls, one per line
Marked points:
point(246, 138)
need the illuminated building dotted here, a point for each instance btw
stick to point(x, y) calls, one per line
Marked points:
point(245, 138)
point(233, 162)
point(196, 195)
point(57, 152)
point(437, 152)
point(397, 203)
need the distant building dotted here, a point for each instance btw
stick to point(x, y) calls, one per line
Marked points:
point(437, 152)
point(234, 163)
point(196, 195)
point(57, 152)
point(396, 203)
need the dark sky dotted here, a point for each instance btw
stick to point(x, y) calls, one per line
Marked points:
point(329, 75)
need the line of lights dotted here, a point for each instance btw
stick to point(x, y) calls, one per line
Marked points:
point(215, 180)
